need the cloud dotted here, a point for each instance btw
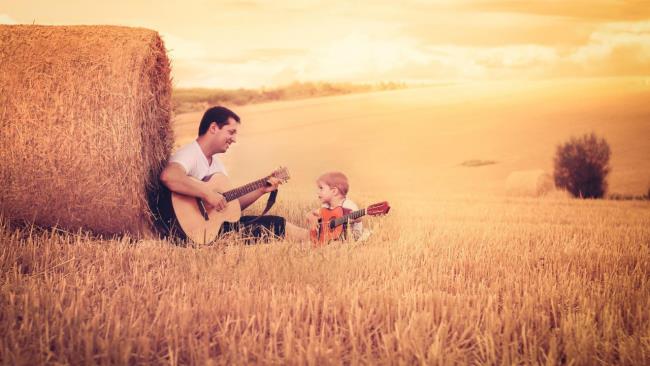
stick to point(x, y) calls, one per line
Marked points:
point(359, 54)
point(612, 49)
point(355, 57)
point(500, 29)
point(517, 56)
point(612, 36)
point(477, 40)
point(587, 10)
point(457, 62)
point(261, 54)
point(615, 49)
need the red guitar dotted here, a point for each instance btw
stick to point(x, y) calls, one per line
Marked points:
point(330, 225)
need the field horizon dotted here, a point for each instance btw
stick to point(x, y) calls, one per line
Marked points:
point(424, 135)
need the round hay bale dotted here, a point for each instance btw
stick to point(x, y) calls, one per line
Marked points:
point(529, 183)
point(85, 125)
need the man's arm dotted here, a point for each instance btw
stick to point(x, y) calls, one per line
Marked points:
point(177, 180)
point(248, 199)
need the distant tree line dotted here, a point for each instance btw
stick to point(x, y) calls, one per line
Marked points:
point(185, 100)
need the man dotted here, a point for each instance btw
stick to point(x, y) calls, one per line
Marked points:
point(198, 159)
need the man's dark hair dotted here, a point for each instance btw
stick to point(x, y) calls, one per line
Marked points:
point(219, 115)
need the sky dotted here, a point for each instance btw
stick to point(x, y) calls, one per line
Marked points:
point(252, 44)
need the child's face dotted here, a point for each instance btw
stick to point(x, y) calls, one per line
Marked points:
point(325, 192)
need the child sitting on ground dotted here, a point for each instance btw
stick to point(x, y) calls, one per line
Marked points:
point(332, 192)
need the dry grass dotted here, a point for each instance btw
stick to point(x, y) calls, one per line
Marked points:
point(443, 279)
point(465, 280)
point(529, 183)
point(84, 124)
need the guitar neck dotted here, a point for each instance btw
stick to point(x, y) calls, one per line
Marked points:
point(351, 216)
point(234, 194)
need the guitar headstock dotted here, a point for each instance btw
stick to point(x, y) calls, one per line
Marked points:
point(378, 209)
point(282, 173)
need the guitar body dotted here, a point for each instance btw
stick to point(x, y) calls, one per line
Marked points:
point(332, 223)
point(323, 232)
point(191, 218)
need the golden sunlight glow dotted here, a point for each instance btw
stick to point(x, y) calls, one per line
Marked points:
point(233, 44)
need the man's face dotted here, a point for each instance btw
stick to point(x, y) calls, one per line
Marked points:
point(223, 137)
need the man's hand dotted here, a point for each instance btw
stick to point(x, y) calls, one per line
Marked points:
point(247, 199)
point(272, 185)
point(215, 199)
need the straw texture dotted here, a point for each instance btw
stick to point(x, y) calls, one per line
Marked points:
point(84, 124)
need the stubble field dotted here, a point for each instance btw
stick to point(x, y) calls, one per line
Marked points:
point(458, 272)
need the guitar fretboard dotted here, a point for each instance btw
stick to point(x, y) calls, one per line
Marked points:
point(345, 218)
point(233, 194)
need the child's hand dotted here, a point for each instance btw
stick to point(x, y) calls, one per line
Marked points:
point(312, 217)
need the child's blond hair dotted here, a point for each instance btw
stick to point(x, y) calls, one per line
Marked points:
point(336, 180)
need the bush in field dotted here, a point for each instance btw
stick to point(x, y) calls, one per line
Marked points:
point(581, 166)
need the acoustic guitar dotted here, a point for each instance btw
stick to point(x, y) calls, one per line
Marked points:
point(200, 222)
point(332, 222)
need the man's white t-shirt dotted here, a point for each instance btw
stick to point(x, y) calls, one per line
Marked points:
point(191, 158)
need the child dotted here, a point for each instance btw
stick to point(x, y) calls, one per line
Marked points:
point(332, 192)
